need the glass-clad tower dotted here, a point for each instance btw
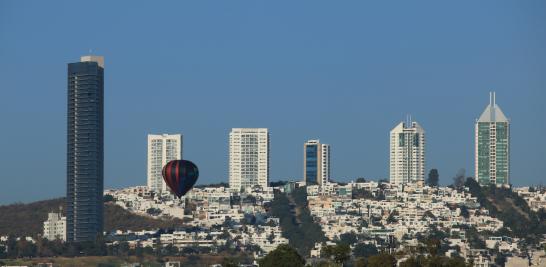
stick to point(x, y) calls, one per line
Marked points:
point(85, 156)
point(492, 141)
point(316, 163)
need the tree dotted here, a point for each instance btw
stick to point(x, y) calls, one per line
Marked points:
point(12, 246)
point(433, 177)
point(458, 180)
point(362, 193)
point(283, 255)
point(464, 212)
point(171, 250)
point(158, 248)
point(339, 253)
point(500, 260)
point(148, 250)
point(475, 239)
point(360, 262)
point(411, 262)
point(275, 184)
point(108, 198)
point(193, 260)
point(3, 253)
point(382, 260)
point(360, 180)
point(93, 248)
point(433, 246)
point(392, 217)
point(429, 214)
point(189, 250)
point(229, 262)
point(457, 262)
point(347, 238)
point(139, 252)
point(365, 250)
point(25, 249)
point(153, 211)
point(431, 261)
point(124, 249)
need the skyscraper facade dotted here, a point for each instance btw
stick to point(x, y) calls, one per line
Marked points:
point(407, 153)
point(492, 146)
point(316, 162)
point(162, 148)
point(85, 152)
point(248, 158)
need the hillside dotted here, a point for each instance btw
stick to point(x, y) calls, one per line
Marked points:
point(296, 221)
point(519, 220)
point(27, 219)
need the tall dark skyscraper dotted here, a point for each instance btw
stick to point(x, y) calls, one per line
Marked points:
point(85, 153)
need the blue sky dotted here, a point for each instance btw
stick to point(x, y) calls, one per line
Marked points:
point(345, 72)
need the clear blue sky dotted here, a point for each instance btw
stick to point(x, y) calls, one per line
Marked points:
point(342, 71)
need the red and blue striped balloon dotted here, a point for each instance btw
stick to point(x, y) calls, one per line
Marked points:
point(180, 176)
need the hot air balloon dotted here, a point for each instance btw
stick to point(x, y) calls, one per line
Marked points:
point(180, 176)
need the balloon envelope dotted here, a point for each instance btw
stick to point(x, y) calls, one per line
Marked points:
point(180, 176)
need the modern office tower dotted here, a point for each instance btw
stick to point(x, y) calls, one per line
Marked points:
point(248, 158)
point(407, 153)
point(316, 163)
point(492, 146)
point(85, 149)
point(161, 149)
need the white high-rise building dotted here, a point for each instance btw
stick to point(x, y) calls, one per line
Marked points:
point(161, 149)
point(407, 153)
point(248, 157)
point(55, 227)
point(316, 162)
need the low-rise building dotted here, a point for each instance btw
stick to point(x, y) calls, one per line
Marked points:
point(55, 227)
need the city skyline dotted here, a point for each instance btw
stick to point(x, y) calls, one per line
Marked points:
point(273, 133)
point(341, 79)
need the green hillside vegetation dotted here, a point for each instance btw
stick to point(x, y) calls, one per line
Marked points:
point(27, 219)
point(296, 221)
point(504, 204)
point(127, 260)
point(115, 217)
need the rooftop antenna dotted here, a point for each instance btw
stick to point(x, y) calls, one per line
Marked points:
point(494, 102)
point(493, 105)
point(408, 120)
